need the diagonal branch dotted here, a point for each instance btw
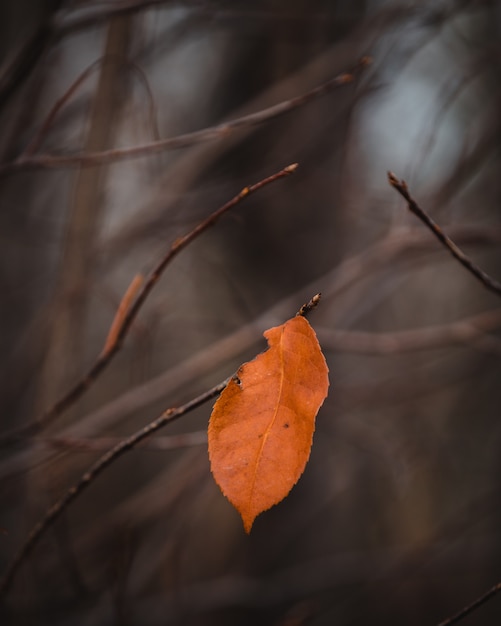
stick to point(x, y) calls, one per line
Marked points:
point(123, 321)
point(489, 283)
point(107, 459)
point(454, 619)
point(457, 253)
point(55, 511)
point(37, 140)
point(220, 131)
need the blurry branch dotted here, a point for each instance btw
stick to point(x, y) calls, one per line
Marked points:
point(489, 283)
point(463, 331)
point(64, 25)
point(451, 94)
point(467, 610)
point(93, 472)
point(124, 319)
point(456, 252)
point(292, 584)
point(389, 392)
point(37, 140)
point(107, 459)
point(52, 29)
point(188, 139)
point(186, 170)
point(16, 69)
point(472, 160)
point(333, 284)
point(97, 444)
point(385, 18)
point(70, 295)
point(430, 337)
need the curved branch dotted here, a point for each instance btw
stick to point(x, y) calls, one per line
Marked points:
point(107, 459)
point(123, 321)
point(36, 141)
point(220, 131)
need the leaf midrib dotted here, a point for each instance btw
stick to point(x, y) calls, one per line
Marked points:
point(272, 421)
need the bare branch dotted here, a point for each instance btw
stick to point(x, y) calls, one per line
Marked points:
point(469, 329)
point(333, 283)
point(101, 464)
point(37, 140)
point(396, 246)
point(456, 252)
point(93, 472)
point(98, 444)
point(86, 159)
point(115, 341)
point(471, 607)
point(63, 25)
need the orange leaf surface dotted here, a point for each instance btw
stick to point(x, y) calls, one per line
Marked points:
point(261, 427)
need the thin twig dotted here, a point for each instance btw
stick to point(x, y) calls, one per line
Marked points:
point(99, 444)
point(93, 472)
point(128, 318)
point(474, 331)
point(86, 159)
point(77, 20)
point(466, 330)
point(334, 283)
point(306, 308)
point(456, 252)
point(489, 283)
point(396, 246)
point(101, 464)
point(471, 607)
point(37, 140)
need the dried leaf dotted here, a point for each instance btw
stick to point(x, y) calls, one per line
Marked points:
point(123, 307)
point(261, 427)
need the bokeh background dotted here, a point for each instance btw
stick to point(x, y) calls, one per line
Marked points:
point(396, 519)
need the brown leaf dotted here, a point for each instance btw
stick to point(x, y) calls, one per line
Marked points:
point(122, 310)
point(261, 427)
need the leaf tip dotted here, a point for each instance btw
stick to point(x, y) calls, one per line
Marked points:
point(248, 525)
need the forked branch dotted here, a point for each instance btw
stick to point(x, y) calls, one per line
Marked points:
point(54, 512)
point(86, 159)
point(124, 319)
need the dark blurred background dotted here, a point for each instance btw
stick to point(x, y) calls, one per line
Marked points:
point(396, 518)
